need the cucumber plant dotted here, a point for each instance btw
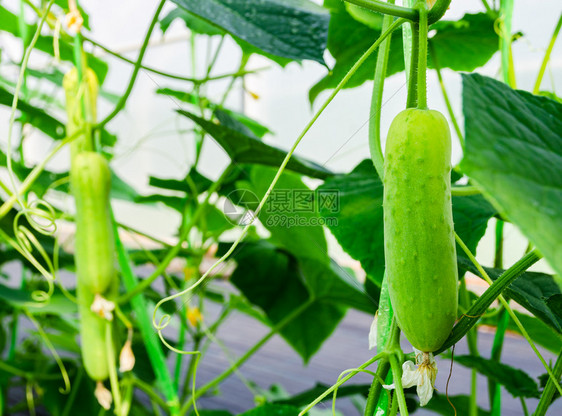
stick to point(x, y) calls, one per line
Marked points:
point(411, 219)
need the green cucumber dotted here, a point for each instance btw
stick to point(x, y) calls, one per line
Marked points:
point(93, 334)
point(90, 178)
point(419, 239)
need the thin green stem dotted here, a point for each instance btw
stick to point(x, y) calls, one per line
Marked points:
point(388, 9)
point(140, 307)
point(274, 330)
point(446, 96)
point(113, 379)
point(179, 357)
point(33, 175)
point(192, 366)
point(524, 406)
point(498, 258)
point(546, 58)
point(412, 99)
point(487, 7)
point(399, 391)
point(149, 391)
point(473, 400)
point(340, 382)
point(167, 74)
point(506, 15)
point(422, 55)
point(510, 311)
point(376, 100)
point(376, 387)
point(549, 390)
point(123, 100)
point(465, 190)
point(494, 389)
point(19, 86)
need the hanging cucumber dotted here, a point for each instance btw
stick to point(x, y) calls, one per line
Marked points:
point(95, 252)
point(418, 227)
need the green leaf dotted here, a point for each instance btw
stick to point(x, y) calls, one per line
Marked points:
point(461, 45)
point(45, 122)
point(516, 381)
point(192, 22)
point(347, 41)
point(200, 182)
point(240, 122)
point(360, 194)
point(294, 29)
point(245, 149)
point(440, 404)
point(83, 400)
point(228, 118)
point(272, 410)
point(539, 332)
point(289, 213)
point(35, 116)
point(271, 279)
point(514, 153)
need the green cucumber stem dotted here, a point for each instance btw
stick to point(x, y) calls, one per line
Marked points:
point(376, 387)
point(422, 55)
point(376, 99)
point(412, 100)
point(399, 390)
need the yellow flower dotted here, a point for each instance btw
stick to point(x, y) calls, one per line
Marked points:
point(194, 315)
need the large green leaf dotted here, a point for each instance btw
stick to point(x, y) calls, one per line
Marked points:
point(289, 213)
point(294, 29)
point(35, 116)
point(360, 195)
point(225, 116)
point(194, 23)
point(514, 153)
point(45, 122)
point(347, 41)
point(271, 279)
point(461, 45)
point(465, 44)
point(441, 404)
point(516, 381)
point(246, 149)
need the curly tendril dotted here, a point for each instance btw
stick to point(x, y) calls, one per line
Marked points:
point(41, 218)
